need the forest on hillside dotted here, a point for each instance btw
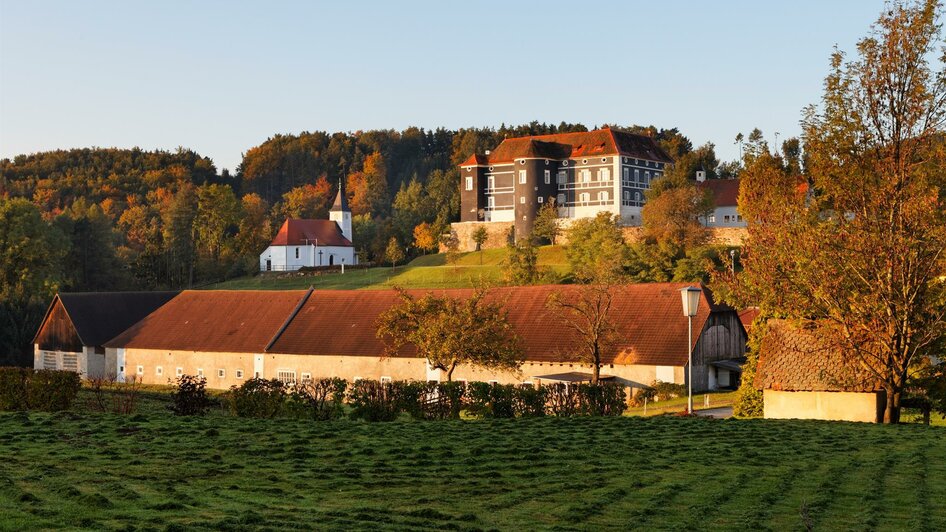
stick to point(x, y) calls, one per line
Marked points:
point(117, 219)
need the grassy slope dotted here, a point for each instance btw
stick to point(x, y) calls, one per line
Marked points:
point(429, 271)
point(154, 471)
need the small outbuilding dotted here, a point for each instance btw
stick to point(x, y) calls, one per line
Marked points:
point(803, 376)
point(76, 326)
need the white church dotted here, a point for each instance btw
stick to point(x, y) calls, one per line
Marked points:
point(312, 243)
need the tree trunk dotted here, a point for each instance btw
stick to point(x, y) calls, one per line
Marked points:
point(450, 372)
point(892, 411)
point(595, 373)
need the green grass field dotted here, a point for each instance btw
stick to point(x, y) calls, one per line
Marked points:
point(152, 471)
point(430, 271)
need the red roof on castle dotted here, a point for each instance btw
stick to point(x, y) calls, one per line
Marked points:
point(600, 142)
point(725, 191)
point(296, 232)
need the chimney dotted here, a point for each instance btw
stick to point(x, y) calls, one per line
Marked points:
point(700, 176)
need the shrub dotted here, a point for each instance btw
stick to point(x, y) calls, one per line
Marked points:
point(190, 396)
point(602, 399)
point(668, 390)
point(375, 401)
point(490, 400)
point(432, 400)
point(28, 389)
point(561, 399)
point(529, 400)
point(320, 400)
point(643, 394)
point(258, 398)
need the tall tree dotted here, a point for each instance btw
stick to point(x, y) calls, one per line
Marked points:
point(450, 331)
point(546, 226)
point(586, 311)
point(596, 249)
point(861, 246)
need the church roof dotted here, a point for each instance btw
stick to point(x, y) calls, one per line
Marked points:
point(296, 232)
point(725, 191)
point(341, 199)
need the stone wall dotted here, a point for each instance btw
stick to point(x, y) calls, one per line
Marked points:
point(498, 231)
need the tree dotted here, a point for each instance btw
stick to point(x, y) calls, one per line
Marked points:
point(256, 229)
point(586, 311)
point(424, 237)
point(546, 222)
point(521, 265)
point(596, 249)
point(369, 188)
point(450, 331)
point(479, 237)
point(672, 213)
point(393, 252)
point(860, 246)
point(310, 201)
point(90, 262)
point(452, 244)
point(217, 216)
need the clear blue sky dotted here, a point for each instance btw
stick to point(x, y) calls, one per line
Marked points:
point(221, 77)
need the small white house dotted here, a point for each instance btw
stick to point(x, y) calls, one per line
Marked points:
point(312, 243)
point(725, 194)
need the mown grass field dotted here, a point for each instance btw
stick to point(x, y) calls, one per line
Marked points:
point(152, 471)
point(430, 271)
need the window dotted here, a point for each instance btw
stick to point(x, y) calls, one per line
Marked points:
point(239, 373)
point(200, 372)
point(637, 175)
point(586, 176)
point(712, 218)
point(584, 197)
point(726, 218)
point(221, 373)
point(604, 174)
point(565, 163)
point(70, 362)
point(604, 159)
point(490, 202)
point(494, 382)
point(603, 195)
point(179, 372)
point(627, 194)
point(561, 178)
point(140, 370)
point(49, 360)
point(522, 177)
point(540, 199)
point(646, 178)
point(584, 161)
point(385, 379)
point(306, 377)
point(522, 161)
point(561, 199)
point(469, 182)
point(522, 200)
point(287, 376)
point(548, 176)
point(627, 175)
point(491, 182)
point(297, 253)
point(738, 218)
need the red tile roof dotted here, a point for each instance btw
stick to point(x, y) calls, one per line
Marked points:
point(238, 321)
point(649, 320)
point(747, 316)
point(799, 357)
point(600, 142)
point(725, 191)
point(305, 232)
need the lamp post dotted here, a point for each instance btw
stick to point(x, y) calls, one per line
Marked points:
point(691, 301)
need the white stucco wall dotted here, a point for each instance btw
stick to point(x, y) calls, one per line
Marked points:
point(283, 258)
point(718, 219)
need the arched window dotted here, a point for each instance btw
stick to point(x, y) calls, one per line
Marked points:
point(331, 260)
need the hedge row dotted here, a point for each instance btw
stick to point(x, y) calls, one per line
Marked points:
point(45, 389)
point(385, 401)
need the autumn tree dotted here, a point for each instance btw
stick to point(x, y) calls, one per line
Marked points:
point(596, 249)
point(586, 312)
point(521, 264)
point(546, 226)
point(449, 331)
point(308, 201)
point(424, 237)
point(255, 228)
point(479, 236)
point(369, 188)
point(393, 252)
point(860, 246)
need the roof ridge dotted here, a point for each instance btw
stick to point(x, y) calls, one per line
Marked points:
point(289, 319)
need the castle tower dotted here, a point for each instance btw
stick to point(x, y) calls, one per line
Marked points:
point(340, 213)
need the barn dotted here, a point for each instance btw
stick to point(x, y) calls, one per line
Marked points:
point(229, 336)
point(76, 326)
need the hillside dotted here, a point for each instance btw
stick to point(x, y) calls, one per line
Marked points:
point(430, 271)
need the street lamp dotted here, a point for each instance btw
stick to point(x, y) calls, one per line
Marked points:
point(691, 301)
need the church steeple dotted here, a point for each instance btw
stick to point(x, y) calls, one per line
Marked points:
point(339, 213)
